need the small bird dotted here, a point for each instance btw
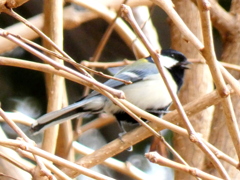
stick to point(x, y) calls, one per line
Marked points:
point(147, 92)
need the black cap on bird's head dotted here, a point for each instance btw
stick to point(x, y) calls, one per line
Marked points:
point(180, 60)
point(171, 58)
point(176, 63)
point(173, 54)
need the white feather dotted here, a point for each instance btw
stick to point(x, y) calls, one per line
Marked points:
point(168, 62)
point(131, 74)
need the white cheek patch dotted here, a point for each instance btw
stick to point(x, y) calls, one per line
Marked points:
point(168, 62)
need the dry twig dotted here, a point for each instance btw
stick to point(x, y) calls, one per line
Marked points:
point(154, 157)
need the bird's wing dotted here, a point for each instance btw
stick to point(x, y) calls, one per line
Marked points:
point(134, 76)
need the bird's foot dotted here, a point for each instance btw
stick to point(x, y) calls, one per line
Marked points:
point(120, 135)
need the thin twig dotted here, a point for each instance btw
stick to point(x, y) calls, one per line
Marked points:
point(230, 66)
point(106, 65)
point(154, 157)
point(201, 61)
point(18, 117)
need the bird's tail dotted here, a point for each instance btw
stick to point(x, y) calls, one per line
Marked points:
point(56, 117)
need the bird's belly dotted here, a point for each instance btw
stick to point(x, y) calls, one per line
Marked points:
point(150, 93)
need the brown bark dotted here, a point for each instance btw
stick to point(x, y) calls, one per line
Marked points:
point(198, 81)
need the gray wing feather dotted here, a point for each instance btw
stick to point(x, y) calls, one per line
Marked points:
point(138, 74)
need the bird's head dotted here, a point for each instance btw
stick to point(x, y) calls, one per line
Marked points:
point(172, 58)
point(176, 63)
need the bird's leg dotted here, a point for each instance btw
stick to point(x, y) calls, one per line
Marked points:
point(121, 134)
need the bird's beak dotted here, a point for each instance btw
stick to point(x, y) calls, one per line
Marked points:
point(184, 64)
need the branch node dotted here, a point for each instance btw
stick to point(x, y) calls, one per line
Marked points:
point(224, 93)
point(4, 33)
point(193, 171)
point(15, 3)
point(206, 5)
point(152, 157)
point(238, 166)
point(193, 138)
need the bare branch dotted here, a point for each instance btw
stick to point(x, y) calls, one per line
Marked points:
point(154, 157)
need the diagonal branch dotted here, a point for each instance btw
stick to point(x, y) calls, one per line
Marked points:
point(158, 159)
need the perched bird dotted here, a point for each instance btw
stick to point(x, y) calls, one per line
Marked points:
point(147, 91)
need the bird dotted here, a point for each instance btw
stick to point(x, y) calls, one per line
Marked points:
point(147, 91)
